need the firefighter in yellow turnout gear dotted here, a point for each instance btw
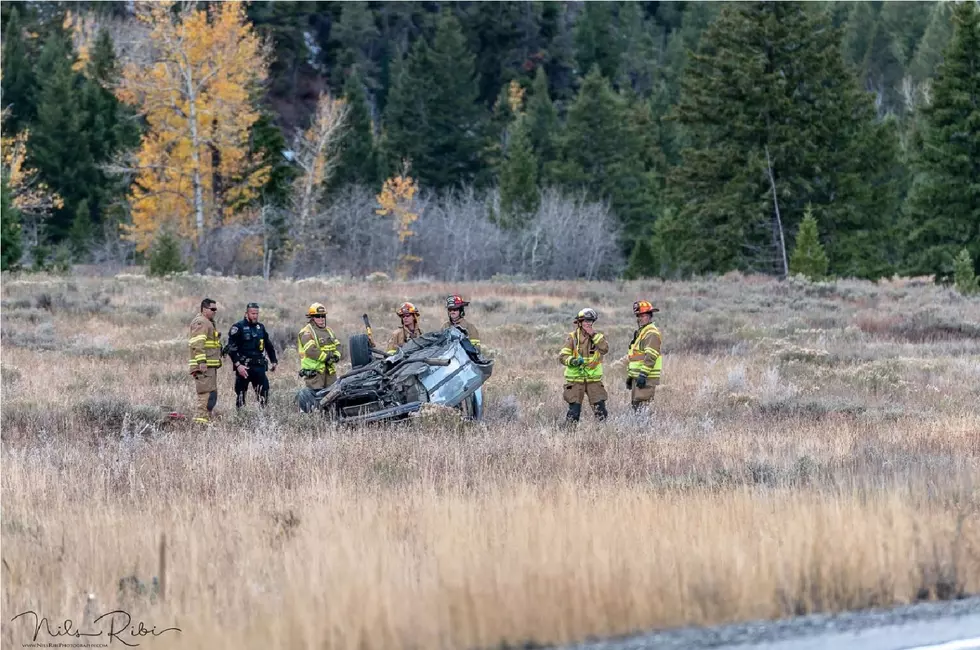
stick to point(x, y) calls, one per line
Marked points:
point(410, 329)
point(645, 361)
point(318, 349)
point(204, 342)
point(582, 357)
point(456, 310)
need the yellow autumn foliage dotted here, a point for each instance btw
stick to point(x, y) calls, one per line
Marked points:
point(29, 195)
point(194, 167)
point(515, 97)
point(397, 199)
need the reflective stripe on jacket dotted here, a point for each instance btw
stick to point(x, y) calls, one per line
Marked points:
point(204, 342)
point(577, 344)
point(314, 345)
point(471, 332)
point(644, 355)
point(400, 337)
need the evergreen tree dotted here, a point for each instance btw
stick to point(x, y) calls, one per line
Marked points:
point(82, 230)
point(597, 41)
point(457, 118)
point(964, 276)
point(808, 257)
point(60, 140)
point(768, 103)
point(542, 124)
point(943, 208)
point(929, 51)
point(19, 87)
point(502, 36)
point(433, 117)
point(602, 151)
point(638, 61)
point(359, 43)
point(165, 256)
point(268, 139)
point(11, 244)
point(358, 159)
point(519, 197)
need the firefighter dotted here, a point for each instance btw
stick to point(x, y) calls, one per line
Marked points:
point(456, 308)
point(409, 329)
point(248, 345)
point(582, 358)
point(318, 349)
point(645, 362)
point(204, 341)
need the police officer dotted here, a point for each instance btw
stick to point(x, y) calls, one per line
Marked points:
point(248, 344)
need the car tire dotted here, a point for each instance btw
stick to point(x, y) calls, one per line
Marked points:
point(360, 351)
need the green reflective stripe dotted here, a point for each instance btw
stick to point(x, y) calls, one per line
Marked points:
point(196, 339)
point(591, 368)
point(214, 363)
point(309, 344)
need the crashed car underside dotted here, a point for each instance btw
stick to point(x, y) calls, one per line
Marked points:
point(442, 368)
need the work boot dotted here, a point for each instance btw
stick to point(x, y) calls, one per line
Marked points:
point(599, 408)
point(574, 413)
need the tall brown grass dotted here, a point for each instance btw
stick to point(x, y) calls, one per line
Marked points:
point(814, 447)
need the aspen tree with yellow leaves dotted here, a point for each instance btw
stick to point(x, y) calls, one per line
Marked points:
point(397, 200)
point(31, 197)
point(196, 90)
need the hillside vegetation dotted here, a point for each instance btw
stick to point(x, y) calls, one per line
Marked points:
point(666, 139)
point(814, 447)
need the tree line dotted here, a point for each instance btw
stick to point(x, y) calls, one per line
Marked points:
point(539, 139)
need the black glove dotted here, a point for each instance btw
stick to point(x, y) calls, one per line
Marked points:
point(333, 357)
point(629, 383)
point(641, 381)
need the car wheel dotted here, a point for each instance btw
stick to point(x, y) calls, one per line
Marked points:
point(360, 351)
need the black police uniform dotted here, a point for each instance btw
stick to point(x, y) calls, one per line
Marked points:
point(248, 343)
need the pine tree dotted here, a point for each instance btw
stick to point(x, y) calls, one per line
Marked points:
point(808, 258)
point(11, 244)
point(597, 41)
point(59, 143)
point(964, 276)
point(19, 86)
point(407, 127)
point(543, 126)
point(929, 51)
point(602, 151)
point(776, 121)
point(81, 231)
point(432, 118)
point(359, 42)
point(358, 158)
point(943, 208)
point(165, 256)
point(519, 197)
point(457, 119)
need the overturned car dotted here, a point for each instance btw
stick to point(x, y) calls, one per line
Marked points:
point(442, 368)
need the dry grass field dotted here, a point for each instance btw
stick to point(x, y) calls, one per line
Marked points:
point(813, 447)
